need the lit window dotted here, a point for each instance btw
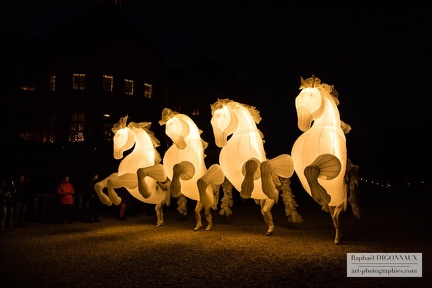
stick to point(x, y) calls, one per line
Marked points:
point(52, 83)
point(27, 86)
point(129, 87)
point(107, 133)
point(148, 90)
point(48, 133)
point(107, 83)
point(78, 81)
point(76, 133)
point(195, 112)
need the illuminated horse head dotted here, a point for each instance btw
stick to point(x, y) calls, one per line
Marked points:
point(242, 155)
point(144, 154)
point(184, 161)
point(320, 153)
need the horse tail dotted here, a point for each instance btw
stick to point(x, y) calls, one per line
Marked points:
point(227, 199)
point(354, 197)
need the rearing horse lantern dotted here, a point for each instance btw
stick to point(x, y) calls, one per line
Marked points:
point(320, 153)
point(184, 165)
point(243, 159)
point(144, 157)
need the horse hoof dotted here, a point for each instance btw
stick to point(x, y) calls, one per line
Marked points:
point(197, 227)
point(208, 228)
point(269, 233)
point(159, 224)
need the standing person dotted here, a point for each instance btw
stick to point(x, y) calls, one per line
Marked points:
point(93, 200)
point(66, 192)
point(7, 202)
point(124, 195)
point(21, 201)
point(165, 186)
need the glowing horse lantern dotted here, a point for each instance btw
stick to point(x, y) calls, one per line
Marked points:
point(144, 154)
point(320, 153)
point(184, 164)
point(242, 155)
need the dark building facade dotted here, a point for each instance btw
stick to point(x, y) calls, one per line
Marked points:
point(61, 96)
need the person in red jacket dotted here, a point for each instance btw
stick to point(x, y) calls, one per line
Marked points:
point(65, 191)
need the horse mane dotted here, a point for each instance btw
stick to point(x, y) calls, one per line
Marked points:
point(167, 114)
point(120, 125)
point(204, 143)
point(252, 110)
point(146, 127)
point(315, 82)
point(328, 91)
point(254, 113)
point(219, 104)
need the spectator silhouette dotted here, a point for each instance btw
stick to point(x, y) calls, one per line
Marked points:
point(21, 201)
point(7, 201)
point(65, 191)
point(93, 200)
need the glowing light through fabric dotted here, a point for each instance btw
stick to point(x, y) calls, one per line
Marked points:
point(144, 154)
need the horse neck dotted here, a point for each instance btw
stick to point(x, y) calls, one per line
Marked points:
point(330, 115)
point(246, 123)
point(194, 133)
point(143, 147)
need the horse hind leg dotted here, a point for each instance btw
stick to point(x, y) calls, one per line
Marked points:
point(266, 206)
point(102, 196)
point(198, 209)
point(335, 212)
point(209, 218)
point(159, 213)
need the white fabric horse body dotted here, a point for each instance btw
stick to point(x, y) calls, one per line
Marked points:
point(184, 164)
point(242, 155)
point(144, 154)
point(320, 153)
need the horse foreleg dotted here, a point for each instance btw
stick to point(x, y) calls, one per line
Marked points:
point(127, 180)
point(156, 172)
point(198, 209)
point(112, 194)
point(250, 175)
point(335, 212)
point(99, 186)
point(214, 176)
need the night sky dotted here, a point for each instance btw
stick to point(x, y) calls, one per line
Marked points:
point(375, 56)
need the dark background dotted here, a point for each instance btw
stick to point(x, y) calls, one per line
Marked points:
point(375, 56)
